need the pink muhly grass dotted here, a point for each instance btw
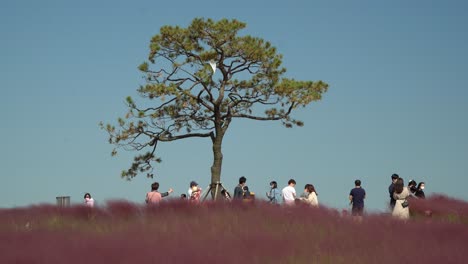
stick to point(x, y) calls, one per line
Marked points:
point(175, 232)
point(440, 207)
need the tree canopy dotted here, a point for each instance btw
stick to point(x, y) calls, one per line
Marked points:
point(188, 98)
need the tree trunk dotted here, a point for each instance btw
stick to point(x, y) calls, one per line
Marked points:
point(217, 153)
point(217, 164)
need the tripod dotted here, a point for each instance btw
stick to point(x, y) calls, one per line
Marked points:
point(217, 186)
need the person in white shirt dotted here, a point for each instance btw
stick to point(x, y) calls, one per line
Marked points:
point(289, 193)
point(190, 190)
point(88, 200)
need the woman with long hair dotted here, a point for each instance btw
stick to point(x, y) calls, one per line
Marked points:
point(401, 194)
point(274, 196)
point(312, 199)
point(310, 195)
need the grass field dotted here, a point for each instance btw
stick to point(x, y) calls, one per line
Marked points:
point(122, 232)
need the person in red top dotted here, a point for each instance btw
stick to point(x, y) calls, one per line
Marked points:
point(196, 192)
point(155, 197)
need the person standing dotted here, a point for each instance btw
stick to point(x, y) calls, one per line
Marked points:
point(412, 187)
point(401, 195)
point(241, 191)
point(195, 192)
point(391, 190)
point(420, 191)
point(189, 192)
point(289, 193)
point(274, 195)
point(356, 197)
point(311, 198)
point(88, 200)
point(155, 197)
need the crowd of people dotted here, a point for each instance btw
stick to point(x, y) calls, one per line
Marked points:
point(400, 195)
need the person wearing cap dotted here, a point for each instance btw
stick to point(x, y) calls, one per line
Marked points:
point(194, 192)
point(391, 190)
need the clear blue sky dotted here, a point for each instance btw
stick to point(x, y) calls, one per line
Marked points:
point(397, 102)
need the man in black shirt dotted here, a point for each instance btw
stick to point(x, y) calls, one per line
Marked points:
point(391, 190)
point(241, 191)
point(357, 196)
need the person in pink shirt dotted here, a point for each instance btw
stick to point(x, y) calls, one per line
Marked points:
point(155, 197)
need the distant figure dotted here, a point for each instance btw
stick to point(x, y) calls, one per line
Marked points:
point(155, 197)
point(412, 187)
point(274, 195)
point(88, 200)
point(226, 195)
point(195, 192)
point(183, 197)
point(420, 191)
point(189, 192)
point(356, 197)
point(248, 195)
point(305, 194)
point(401, 195)
point(311, 195)
point(241, 191)
point(391, 190)
point(289, 193)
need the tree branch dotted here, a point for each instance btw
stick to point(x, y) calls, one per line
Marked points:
point(278, 117)
point(173, 138)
